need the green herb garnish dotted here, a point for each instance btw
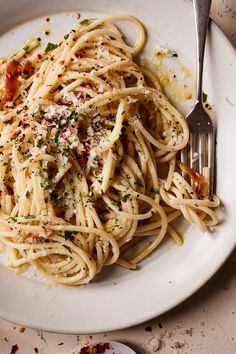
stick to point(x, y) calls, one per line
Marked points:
point(84, 22)
point(26, 47)
point(44, 184)
point(66, 36)
point(56, 139)
point(27, 194)
point(84, 115)
point(113, 202)
point(29, 216)
point(123, 198)
point(40, 144)
point(68, 234)
point(154, 190)
point(73, 115)
point(12, 218)
point(140, 182)
point(37, 172)
point(204, 97)
point(50, 46)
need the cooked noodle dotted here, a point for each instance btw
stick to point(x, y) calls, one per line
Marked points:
point(88, 152)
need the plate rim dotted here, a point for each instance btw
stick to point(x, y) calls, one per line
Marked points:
point(143, 318)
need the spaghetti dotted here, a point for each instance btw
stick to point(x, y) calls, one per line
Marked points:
point(88, 151)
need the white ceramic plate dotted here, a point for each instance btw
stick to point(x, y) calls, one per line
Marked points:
point(120, 298)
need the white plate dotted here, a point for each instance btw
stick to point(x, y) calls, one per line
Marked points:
point(120, 298)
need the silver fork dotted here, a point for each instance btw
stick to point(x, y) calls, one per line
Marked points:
point(200, 152)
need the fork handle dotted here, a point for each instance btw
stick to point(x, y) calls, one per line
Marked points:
point(201, 15)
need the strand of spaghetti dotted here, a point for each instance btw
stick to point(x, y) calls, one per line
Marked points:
point(88, 150)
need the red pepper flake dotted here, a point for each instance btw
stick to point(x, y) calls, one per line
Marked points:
point(21, 329)
point(11, 80)
point(14, 349)
point(39, 56)
point(36, 350)
point(200, 184)
point(78, 15)
point(87, 150)
point(6, 339)
point(62, 62)
point(26, 69)
point(47, 19)
point(148, 329)
point(14, 69)
point(96, 349)
point(60, 343)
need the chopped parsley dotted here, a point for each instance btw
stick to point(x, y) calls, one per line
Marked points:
point(123, 198)
point(37, 172)
point(112, 38)
point(66, 36)
point(84, 22)
point(26, 47)
point(44, 184)
point(154, 190)
point(29, 216)
point(84, 115)
point(27, 194)
point(40, 144)
point(204, 97)
point(42, 239)
point(12, 218)
point(99, 180)
point(50, 46)
point(56, 139)
point(140, 182)
point(73, 115)
point(113, 202)
point(68, 234)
